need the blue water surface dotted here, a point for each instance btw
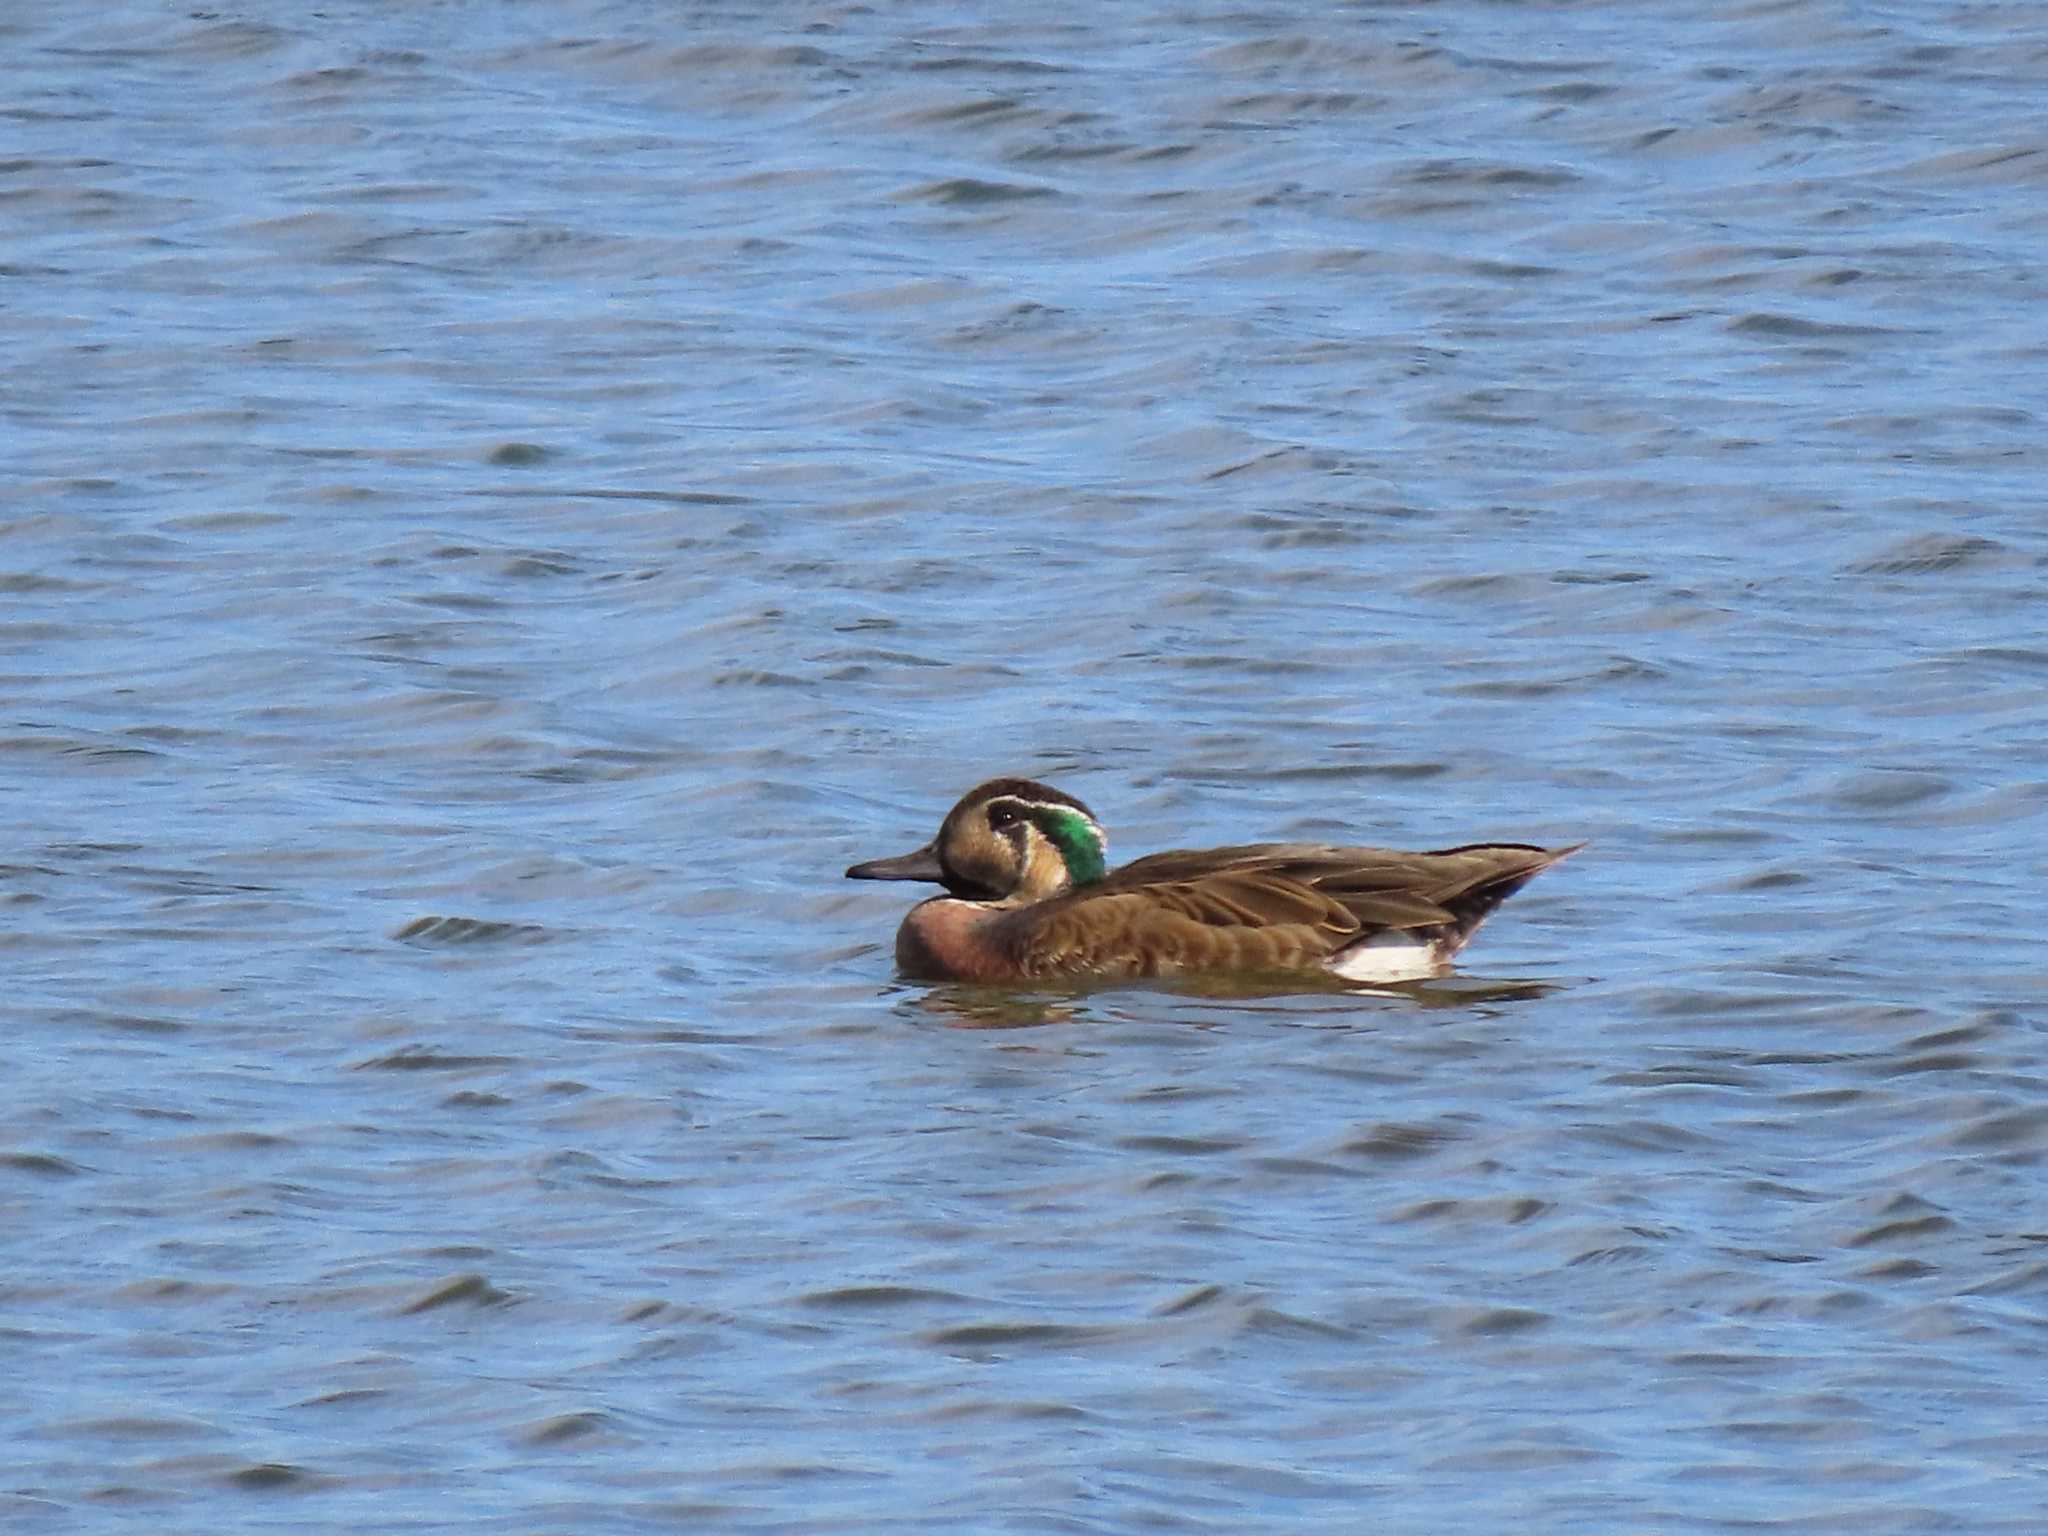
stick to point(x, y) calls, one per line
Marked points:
point(502, 504)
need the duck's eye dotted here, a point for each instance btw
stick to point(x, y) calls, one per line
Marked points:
point(1001, 816)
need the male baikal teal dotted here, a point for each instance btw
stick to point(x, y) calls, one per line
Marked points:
point(1030, 897)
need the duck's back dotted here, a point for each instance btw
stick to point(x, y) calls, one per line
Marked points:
point(1272, 907)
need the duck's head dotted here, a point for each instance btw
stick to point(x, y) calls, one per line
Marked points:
point(1006, 839)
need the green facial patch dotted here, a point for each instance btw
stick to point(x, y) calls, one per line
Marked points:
point(1077, 839)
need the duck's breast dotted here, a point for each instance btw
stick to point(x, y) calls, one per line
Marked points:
point(945, 939)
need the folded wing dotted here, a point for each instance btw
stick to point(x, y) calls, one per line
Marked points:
point(1267, 906)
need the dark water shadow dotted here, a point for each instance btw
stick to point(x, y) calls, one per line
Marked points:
point(962, 1006)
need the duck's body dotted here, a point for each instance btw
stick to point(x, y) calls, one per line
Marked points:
point(1030, 898)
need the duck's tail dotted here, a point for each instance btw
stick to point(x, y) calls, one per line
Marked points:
point(1414, 954)
point(1519, 863)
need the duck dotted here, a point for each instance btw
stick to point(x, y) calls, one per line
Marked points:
point(1029, 897)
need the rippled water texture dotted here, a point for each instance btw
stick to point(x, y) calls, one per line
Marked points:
point(503, 503)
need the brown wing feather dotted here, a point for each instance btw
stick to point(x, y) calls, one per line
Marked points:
point(1247, 898)
point(1224, 923)
point(1381, 887)
point(1261, 905)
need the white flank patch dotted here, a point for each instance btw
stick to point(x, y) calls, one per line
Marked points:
point(1392, 956)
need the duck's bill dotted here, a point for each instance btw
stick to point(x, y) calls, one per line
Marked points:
point(921, 865)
